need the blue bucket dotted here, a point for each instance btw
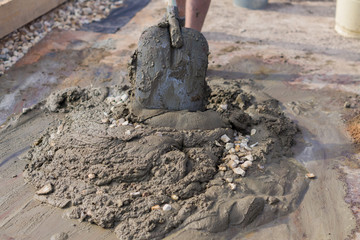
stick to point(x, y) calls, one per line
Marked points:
point(251, 4)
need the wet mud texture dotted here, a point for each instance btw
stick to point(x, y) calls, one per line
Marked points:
point(106, 166)
point(170, 78)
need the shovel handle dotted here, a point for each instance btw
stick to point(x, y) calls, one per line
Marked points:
point(172, 3)
point(174, 26)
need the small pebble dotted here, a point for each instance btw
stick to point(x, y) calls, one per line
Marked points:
point(167, 207)
point(229, 180)
point(347, 105)
point(228, 146)
point(246, 165)
point(59, 236)
point(105, 120)
point(118, 99)
point(91, 176)
point(46, 189)
point(233, 164)
point(135, 194)
point(232, 151)
point(145, 194)
point(239, 171)
point(261, 167)
point(218, 144)
point(124, 97)
point(232, 186)
point(121, 121)
point(223, 106)
point(174, 197)
point(254, 145)
point(232, 157)
point(225, 138)
point(222, 168)
point(249, 157)
point(310, 176)
point(156, 207)
point(253, 132)
point(128, 132)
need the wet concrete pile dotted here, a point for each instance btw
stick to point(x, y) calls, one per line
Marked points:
point(147, 177)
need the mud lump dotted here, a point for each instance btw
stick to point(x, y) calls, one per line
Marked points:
point(147, 179)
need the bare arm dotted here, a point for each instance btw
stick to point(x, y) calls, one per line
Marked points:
point(195, 12)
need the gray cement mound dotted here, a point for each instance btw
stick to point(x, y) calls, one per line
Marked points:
point(147, 177)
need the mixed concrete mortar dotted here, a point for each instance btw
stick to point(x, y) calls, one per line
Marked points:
point(146, 177)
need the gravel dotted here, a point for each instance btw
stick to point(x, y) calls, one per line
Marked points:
point(68, 16)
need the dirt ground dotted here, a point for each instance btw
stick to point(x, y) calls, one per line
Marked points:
point(292, 53)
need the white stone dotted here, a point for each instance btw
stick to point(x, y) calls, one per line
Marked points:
point(174, 197)
point(118, 99)
point(253, 132)
point(128, 132)
point(239, 171)
point(135, 194)
point(46, 189)
point(232, 157)
point(229, 180)
point(233, 164)
point(228, 146)
point(225, 138)
point(91, 176)
point(223, 106)
point(249, 157)
point(246, 165)
point(121, 121)
point(124, 97)
point(167, 207)
point(52, 136)
point(232, 186)
point(218, 144)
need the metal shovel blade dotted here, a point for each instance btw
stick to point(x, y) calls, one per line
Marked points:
point(170, 78)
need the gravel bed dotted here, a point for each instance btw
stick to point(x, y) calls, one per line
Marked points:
point(68, 16)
